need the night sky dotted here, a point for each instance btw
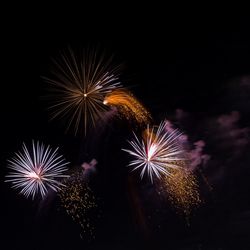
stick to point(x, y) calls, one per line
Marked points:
point(193, 72)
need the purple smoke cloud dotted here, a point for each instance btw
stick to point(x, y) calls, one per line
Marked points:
point(217, 144)
point(89, 168)
point(196, 155)
point(194, 150)
point(230, 131)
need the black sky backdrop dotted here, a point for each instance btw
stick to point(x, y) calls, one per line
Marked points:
point(199, 66)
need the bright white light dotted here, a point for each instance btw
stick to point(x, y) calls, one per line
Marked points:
point(33, 175)
point(157, 153)
point(151, 151)
point(31, 179)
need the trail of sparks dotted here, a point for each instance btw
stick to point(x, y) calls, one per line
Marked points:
point(128, 106)
point(181, 186)
point(157, 153)
point(79, 202)
point(182, 190)
point(79, 85)
point(36, 170)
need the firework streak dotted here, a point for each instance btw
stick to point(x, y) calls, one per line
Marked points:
point(128, 106)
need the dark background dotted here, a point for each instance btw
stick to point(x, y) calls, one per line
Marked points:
point(182, 62)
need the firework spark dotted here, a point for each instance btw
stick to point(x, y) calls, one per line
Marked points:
point(79, 85)
point(182, 190)
point(157, 152)
point(36, 170)
point(181, 187)
point(79, 202)
point(128, 106)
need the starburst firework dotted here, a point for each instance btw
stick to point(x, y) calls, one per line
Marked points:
point(36, 170)
point(157, 152)
point(79, 84)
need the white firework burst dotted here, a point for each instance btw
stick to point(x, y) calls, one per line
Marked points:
point(79, 85)
point(157, 153)
point(35, 171)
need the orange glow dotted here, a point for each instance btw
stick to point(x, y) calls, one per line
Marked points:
point(128, 106)
point(182, 190)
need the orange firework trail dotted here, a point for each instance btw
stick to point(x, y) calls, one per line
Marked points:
point(182, 190)
point(128, 106)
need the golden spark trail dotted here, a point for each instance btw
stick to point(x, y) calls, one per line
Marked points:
point(182, 190)
point(79, 202)
point(128, 106)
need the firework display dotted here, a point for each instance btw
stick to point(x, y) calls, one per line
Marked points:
point(157, 152)
point(36, 170)
point(79, 86)
point(128, 106)
point(86, 93)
